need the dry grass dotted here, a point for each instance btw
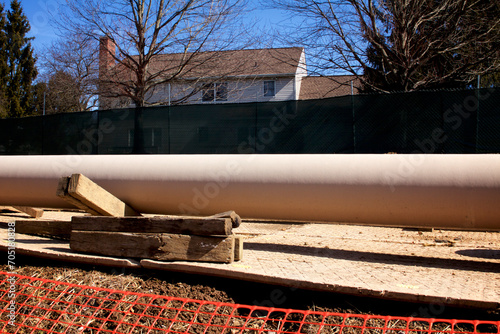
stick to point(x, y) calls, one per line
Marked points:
point(74, 309)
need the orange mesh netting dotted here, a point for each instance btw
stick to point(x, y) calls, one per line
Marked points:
point(46, 306)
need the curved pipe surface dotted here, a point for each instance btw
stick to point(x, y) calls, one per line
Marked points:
point(442, 191)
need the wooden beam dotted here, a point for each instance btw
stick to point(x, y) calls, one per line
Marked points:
point(238, 247)
point(235, 219)
point(87, 195)
point(164, 246)
point(159, 224)
point(62, 191)
point(32, 212)
point(51, 228)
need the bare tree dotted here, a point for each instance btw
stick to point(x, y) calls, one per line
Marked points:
point(70, 67)
point(400, 44)
point(142, 32)
point(64, 94)
point(139, 33)
point(3, 113)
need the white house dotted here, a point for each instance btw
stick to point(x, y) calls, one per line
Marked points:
point(237, 76)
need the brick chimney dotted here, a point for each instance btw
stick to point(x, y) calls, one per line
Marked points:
point(107, 50)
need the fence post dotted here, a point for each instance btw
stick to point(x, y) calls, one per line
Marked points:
point(477, 113)
point(255, 127)
point(169, 126)
point(98, 126)
point(353, 125)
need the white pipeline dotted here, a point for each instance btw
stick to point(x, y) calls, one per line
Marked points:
point(446, 191)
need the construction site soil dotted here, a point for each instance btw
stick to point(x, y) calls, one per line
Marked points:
point(214, 289)
point(239, 291)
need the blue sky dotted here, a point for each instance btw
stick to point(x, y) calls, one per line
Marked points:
point(40, 13)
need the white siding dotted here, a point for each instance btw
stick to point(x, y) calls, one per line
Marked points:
point(287, 87)
point(253, 91)
point(240, 91)
point(301, 73)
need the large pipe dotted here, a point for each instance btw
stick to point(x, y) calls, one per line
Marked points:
point(445, 191)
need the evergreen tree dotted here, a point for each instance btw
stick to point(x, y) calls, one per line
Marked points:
point(20, 62)
point(3, 64)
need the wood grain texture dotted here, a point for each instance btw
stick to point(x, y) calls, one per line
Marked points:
point(92, 195)
point(83, 193)
point(32, 212)
point(50, 228)
point(164, 246)
point(62, 192)
point(238, 247)
point(160, 224)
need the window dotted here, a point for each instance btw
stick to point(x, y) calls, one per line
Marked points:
point(207, 93)
point(269, 88)
point(214, 92)
point(221, 91)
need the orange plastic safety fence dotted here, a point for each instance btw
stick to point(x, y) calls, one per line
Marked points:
point(34, 305)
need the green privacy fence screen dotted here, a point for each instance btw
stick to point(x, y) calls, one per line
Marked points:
point(466, 121)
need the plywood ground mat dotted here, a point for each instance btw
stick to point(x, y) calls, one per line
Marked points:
point(46, 306)
point(447, 267)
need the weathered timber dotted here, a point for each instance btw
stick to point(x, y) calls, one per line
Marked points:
point(62, 191)
point(158, 224)
point(32, 212)
point(238, 247)
point(50, 228)
point(163, 246)
point(235, 218)
point(90, 195)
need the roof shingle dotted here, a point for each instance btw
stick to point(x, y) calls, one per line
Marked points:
point(319, 87)
point(255, 62)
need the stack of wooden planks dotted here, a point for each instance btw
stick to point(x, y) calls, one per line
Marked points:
point(116, 229)
point(166, 238)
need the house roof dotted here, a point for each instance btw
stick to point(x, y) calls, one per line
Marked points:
point(319, 87)
point(255, 62)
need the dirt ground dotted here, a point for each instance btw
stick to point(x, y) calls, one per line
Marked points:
point(133, 282)
point(215, 289)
